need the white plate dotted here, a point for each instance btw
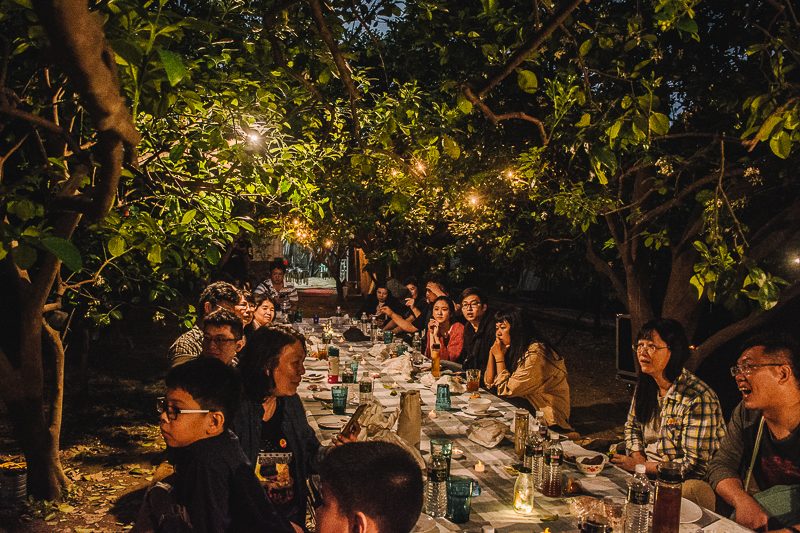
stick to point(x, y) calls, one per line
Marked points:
point(323, 396)
point(332, 421)
point(491, 411)
point(690, 511)
point(314, 377)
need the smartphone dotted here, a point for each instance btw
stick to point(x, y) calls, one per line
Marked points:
point(348, 428)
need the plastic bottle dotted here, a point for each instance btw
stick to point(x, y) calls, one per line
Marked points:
point(637, 508)
point(540, 420)
point(553, 459)
point(523, 492)
point(435, 360)
point(365, 325)
point(436, 491)
point(416, 343)
point(534, 456)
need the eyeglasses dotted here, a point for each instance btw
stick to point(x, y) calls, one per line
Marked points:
point(471, 305)
point(172, 411)
point(219, 341)
point(650, 349)
point(748, 369)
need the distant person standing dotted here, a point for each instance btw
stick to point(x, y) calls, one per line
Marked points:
point(280, 290)
point(218, 295)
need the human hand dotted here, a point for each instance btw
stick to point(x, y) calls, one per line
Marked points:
point(750, 514)
point(352, 436)
point(410, 302)
point(386, 310)
point(627, 462)
point(435, 289)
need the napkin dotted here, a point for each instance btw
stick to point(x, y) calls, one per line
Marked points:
point(410, 421)
point(379, 352)
point(455, 386)
point(487, 432)
point(399, 365)
point(372, 420)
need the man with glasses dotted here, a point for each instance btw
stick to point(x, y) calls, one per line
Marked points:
point(218, 295)
point(479, 332)
point(761, 451)
point(223, 336)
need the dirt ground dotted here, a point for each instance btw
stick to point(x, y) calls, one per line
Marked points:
point(111, 443)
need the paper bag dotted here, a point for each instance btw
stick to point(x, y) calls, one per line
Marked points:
point(410, 421)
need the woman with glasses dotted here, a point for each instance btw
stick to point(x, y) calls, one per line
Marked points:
point(674, 416)
point(522, 365)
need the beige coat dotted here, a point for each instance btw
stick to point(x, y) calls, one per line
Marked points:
point(540, 378)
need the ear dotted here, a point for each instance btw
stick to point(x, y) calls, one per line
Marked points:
point(215, 422)
point(207, 308)
point(786, 374)
point(240, 344)
point(361, 523)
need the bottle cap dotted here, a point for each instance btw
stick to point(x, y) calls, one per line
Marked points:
point(539, 414)
point(522, 412)
point(641, 469)
point(524, 470)
point(488, 529)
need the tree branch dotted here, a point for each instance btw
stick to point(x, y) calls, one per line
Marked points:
point(42, 123)
point(604, 268)
point(472, 97)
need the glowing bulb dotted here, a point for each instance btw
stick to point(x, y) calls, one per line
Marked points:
point(797, 260)
point(420, 167)
point(510, 174)
point(394, 172)
point(328, 243)
point(296, 222)
point(255, 137)
point(473, 200)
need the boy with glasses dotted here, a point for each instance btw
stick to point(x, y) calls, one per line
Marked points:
point(223, 336)
point(214, 487)
point(761, 451)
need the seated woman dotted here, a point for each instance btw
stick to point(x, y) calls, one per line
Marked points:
point(521, 365)
point(263, 314)
point(415, 305)
point(450, 336)
point(674, 416)
point(271, 424)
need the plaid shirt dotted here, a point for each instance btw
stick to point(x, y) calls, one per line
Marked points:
point(691, 426)
point(188, 346)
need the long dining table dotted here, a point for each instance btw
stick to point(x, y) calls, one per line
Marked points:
point(494, 506)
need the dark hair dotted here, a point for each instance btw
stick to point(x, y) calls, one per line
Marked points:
point(411, 280)
point(260, 297)
point(278, 262)
point(380, 479)
point(219, 291)
point(449, 305)
point(260, 356)
point(213, 385)
point(646, 394)
point(247, 296)
point(776, 344)
point(522, 332)
point(473, 291)
point(223, 317)
point(438, 281)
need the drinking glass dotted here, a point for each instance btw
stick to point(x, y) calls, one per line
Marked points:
point(473, 379)
point(339, 400)
point(365, 390)
point(445, 448)
point(460, 491)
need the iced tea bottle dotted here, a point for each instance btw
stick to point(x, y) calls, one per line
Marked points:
point(667, 506)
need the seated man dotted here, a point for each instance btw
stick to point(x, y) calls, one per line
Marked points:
point(479, 331)
point(214, 487)
point(369, 487)
point(762, 447)
point(281, 291)
point(223, 336)
point(219, 294)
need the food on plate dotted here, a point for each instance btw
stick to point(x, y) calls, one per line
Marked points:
point(569, 458)
point(596, 460)
point(475, 395)
point(317, 387)
point(574, 486)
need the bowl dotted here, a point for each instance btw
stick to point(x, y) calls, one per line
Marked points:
point(479, 405)
point(590, 470)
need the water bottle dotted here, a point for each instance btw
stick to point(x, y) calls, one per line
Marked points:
point(436, 491)
point(534, 456)
point(540, 420)
point(416, 343)
point(553, 459)
point(637, 508)
point(285, 307)
point(339, 312)
point(523, 492)
point(374, 330)
point(364, 324)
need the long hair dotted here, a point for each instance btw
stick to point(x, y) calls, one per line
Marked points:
point(522, 332)
point(646, 394)
point(259, 359)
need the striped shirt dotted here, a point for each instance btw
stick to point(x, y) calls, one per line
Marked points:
point(691, 426)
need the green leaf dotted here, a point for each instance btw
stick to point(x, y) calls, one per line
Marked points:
point(464, 105)
point(768, 295)
point(188, 216)
point(489, 6)
point(173, 64)
point(659, 123)
point(65, 251)
point(116, 246)
point(246, 225)
point(766, 132)
point(451, 147)
point(585, 121)
point(527, 81)
point(24, 256)
point(687, 24)
point(213, 255)
point(586, 47)
point(154, 254)
point(781, 144)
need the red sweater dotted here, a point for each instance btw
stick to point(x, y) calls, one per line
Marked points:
point(451, 346)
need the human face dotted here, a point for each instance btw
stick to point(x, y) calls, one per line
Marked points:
point(219, 342)
point(330, 518)
point(503, 333)
point(277, 276)
point(653, 355)
point(290, 369)
point(430, 296)
point(222, 304)
point(244, 310)
point(264, 313)
point(382, 294)
point(413, 290)
point(441, 312)
point(759, 386)
point(473, 309)
point(187, 427)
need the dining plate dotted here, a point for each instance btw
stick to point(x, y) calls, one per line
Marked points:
point(332, 421)
point(491, 411)
point(690, 511)
point(313, 377)
point(323, 396)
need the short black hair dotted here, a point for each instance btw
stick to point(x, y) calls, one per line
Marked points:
point(213, 385)
point(473, 291)
point(261, 297)
point(379, 479)
point(260, 356)
point(223, 317)
point(247, 296)
point(278, 262)
point(449, 303)
point(777, 343)
point(219, 291)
